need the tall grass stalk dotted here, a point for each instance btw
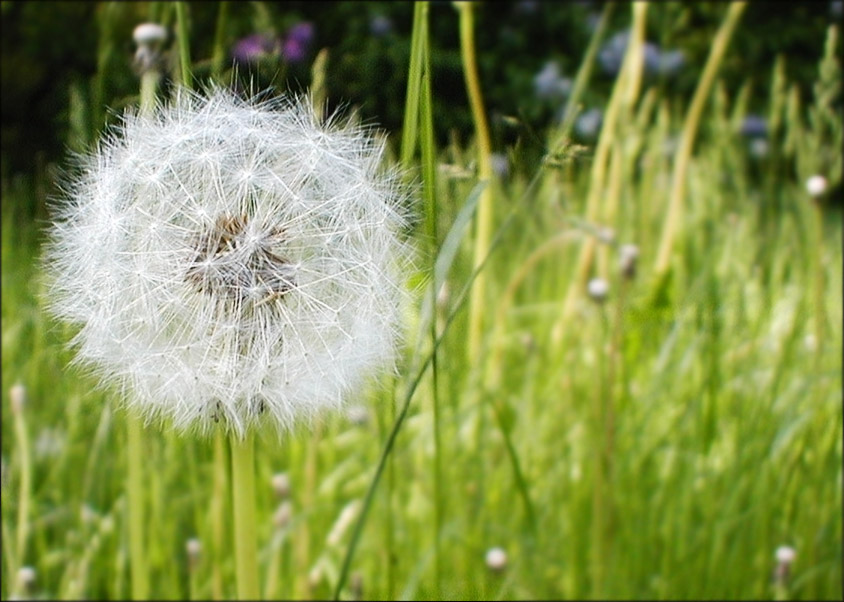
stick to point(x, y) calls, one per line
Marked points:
point(182, 35)
point(687, 138)
point(484, 220)
point(620, 99)
point(25, 492)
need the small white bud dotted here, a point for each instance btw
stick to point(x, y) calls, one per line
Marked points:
point(26, 577)
point(606, 234)
point(816, 186)
point(147, 34)
point(281, 485)
point(598, 289)
point(628, 254)
point(193, 547)
point(785, 554)
point(17, 397)
point(281, 517)
point(496, 559)
point(358, 414)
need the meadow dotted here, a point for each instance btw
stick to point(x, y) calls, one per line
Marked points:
point(622, 424)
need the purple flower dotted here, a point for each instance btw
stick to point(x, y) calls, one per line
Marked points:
point(657, 61)
point(754, 126)
point(380, 26)
point(297, 41)
point(588, 123)
point(548, 83)
point(301, 32)
point(255, 47)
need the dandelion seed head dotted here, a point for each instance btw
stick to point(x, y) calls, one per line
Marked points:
point(231, 262)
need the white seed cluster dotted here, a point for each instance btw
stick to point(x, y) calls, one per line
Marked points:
point(230, 262)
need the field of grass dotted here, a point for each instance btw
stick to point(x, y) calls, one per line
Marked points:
point(660, 443)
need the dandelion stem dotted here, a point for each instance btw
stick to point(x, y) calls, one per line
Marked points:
point(217, 520)
point(135, 493)
point(245, 532)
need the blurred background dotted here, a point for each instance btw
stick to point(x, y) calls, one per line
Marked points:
point(67, 66)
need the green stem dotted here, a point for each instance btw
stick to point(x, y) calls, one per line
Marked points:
point(135, 493)
point(684, 150)
point(219, 53)
point(184, 45)
point(22, 436)
point(217, 520)
point(245, 532)
point(484, 217)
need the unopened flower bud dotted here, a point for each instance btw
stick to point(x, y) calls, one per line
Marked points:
point(281, 485)
point(26, 577)
point(598, 289)
point(816, 186)
point(606, 234)
point(17, 397)
point(150, 38)
point(628, 254)
point(281, 517)
point(193, 547)
point(785, 554)
point(496, 559)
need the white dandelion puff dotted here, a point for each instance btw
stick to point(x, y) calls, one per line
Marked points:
point(232, 261)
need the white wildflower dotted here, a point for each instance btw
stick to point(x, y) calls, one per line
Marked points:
point(232, 261)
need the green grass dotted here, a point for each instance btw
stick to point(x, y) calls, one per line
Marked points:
point(663, 447)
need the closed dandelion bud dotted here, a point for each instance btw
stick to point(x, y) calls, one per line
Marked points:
point(496, 559)
point(26, 577)
point(17, 398)
point(281, 517)
point(598, 289)
point(816, 186)
point(606, 235)
point(193, 548)
point(232, 262)
point(281, 485)
point(150, 39)
point(785, 556)
point(628, 255)
point(358, 415)
point(356, 585)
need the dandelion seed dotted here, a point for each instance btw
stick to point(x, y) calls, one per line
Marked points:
point(232, 262)
point(816, 186)
point(496, 559)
